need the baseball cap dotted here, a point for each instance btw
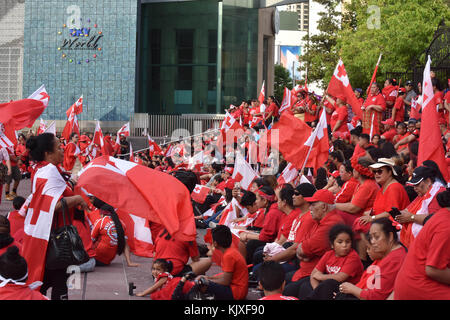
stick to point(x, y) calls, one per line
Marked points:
point(402, 90)
point(389, 122)
point(305, 189)
point(384, 162)
point(322, 195)
point(419, 174)
point(229, 170)
point(408, 83)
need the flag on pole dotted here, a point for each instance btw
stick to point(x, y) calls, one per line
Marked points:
point(262, 94)
point(340, 85)
point(286, 103)
point(290, 173)
point(42, 127)
point(243, 172)
point(51, 128)
point(318, 144)
point(153, 146)
point(132, 154)
point(71, 126)
point(125, 130)
point(77, 107)
point(430, 143)
point(374, 75)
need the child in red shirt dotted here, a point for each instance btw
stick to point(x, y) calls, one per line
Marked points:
point(161, 275)
point(271, 277)
point(16, 220)
point(232, 284)
point(340, 264)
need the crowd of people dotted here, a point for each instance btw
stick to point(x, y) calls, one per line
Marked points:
point(370, 224)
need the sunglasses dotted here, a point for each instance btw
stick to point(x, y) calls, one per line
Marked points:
point(378, 171)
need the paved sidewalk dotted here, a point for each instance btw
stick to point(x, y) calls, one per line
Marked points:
point(111, 282)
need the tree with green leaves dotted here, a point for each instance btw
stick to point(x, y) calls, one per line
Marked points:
point(282, 80)
point(400, 30)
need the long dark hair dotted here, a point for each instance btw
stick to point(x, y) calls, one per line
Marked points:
point(119, 228)
point(39, 145)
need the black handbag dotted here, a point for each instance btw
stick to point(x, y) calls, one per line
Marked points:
point(65, 247)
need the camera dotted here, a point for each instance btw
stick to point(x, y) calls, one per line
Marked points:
point(131, 288)
point(202, 282)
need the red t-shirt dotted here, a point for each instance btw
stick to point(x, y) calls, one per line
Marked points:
point(278, 296)
point(16, 222)
point(430, 248)
point(308, 116)
point(400, 107)
point(365, 195)
point(274, 108)
point(287, 223)
point(340, 113)
point(316, 244)
point(378, 279)
point(390, 93)
point(390, 134)
point(20, 292)
point(350, 265)
point(394, 196)
point(69, 156)
point(104, 237)
point(347, 191)
point(272, 224)
point(233, 262)
point(175, 250)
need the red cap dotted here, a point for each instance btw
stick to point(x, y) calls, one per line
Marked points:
point(389, 122)
point(322, 195)
point(335, 173)
point(229, 170)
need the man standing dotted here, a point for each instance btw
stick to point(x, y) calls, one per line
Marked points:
point(410, 95)
point(124, 146)
point(13, 174)
point(71, 152)
point(373, 109)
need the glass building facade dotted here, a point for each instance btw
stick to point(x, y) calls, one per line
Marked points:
point(178, 57)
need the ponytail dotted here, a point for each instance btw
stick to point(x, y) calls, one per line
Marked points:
point(119, 228)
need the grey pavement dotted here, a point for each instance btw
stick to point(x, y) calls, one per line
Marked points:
point(112, 282)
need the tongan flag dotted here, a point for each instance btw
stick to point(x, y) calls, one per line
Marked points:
point(47, 188)
point(139, 234)
point(23, 113)
point(42, 127)
point(77, 107)
point(430, 143)
point(290, 173)
point(125, 130)
point(134, 188)
point(51, 128)
point(200, 193)
point(243, 172)
point(340, 85)
point(319, 144)
point(286, 103)
point(262, 94)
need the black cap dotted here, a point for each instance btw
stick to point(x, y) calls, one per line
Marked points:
point(305, 189)
point(421, 173)
point(13, 265)
point(408, 83)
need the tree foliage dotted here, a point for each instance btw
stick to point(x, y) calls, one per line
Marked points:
point(282, 80)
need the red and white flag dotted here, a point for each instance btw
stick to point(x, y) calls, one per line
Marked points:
point(153, 147)
point(7, 136)
point(200, 193)
point(132, 154)
point(290, 173)
point(230, 130)
point(318, 144)
point(42, 127)
point(51, 128)
point(125, 130)
point(286, 103)
point(139, 234)
point(243, 172)
point(76, 108)
point(430, 143)
point(47, 188)
point(340, 85)
point(71, 126)
point(130, 187)
point(262, 94)
point(196, 162)
point(98, 135)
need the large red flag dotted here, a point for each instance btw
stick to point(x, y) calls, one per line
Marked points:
point(340, 85)
point(139, 234)
point(243, 172)
point(319, 144)
point(23, 113)
point(262, 94)
point(71, 126)
point(430, 142)
point(287, 98)
point(125, 130)
point(137, 189)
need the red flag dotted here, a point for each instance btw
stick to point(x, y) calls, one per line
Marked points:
point(153, 147)
point(243, 172)
point(132, 154)
point(262, 94)
point(47, 188)
point(430, 142)
point(42, 127)
point(23, 113)
point(71, 126)
point(77, 107)
point(290, 173)
point(293, 133)
point(200, 193)
point(287, 98)
point(98, 135)
point(124, 130)
point(340, 85)
point(318, 142)
point(139, 234)
point(374, 75)
point(230, 130)
point(134, 188)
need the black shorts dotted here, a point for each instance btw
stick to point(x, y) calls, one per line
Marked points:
point(16, 175)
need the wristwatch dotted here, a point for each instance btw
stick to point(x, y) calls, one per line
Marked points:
point(413, 217)
point(373, 218)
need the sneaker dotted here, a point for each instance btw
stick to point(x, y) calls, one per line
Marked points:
point(9, 197)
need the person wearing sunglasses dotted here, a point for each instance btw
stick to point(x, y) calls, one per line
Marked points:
point(391, 194)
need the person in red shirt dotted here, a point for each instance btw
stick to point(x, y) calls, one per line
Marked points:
point(271, 279)
point(398, 110)
point(389, 92)
point(339, 118)
point(310, 110)
point(365, 193)
point(71, 152)
point(387, 253)
point(425, 273)
point(232, 283)
point(347, 190)
point(373, 109)
point(251, 241)
point(6, 240)
point(402, 133)
point(389, 130)
point(16, 220)
point(271, 113)
point(340, 264)
point(313, 247)
point(13, 277)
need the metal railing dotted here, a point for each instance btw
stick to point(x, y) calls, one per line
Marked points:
point(165, 126)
